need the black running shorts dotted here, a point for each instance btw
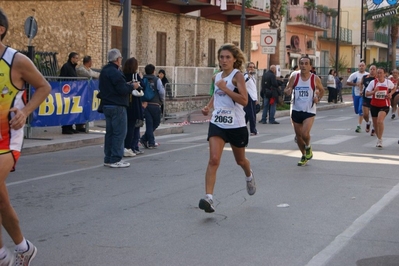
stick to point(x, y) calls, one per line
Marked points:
point(299, 117)
point(375, 110)
point(237, 137)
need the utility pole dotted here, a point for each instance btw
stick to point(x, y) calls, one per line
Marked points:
point(242, 40)
point(127, 11)
point(338, 37)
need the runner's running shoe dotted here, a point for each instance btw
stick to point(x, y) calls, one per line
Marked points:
point(25, 258)
point(303, 161)
point(372, 132)
point(309, 153)
point(393, 116)
point(368, 127)
point(358, 129)
point(206, 204)
point(251, 186)
point(379, 143)
point(8, 260)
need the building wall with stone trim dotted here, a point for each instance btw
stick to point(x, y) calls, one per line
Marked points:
point(84, 26)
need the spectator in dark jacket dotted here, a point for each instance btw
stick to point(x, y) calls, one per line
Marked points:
point(115, 92)
point(69, 70)
point(152, 108)
point(168, 89)
point(269, 92)
point(134, 111)
point(338, 82)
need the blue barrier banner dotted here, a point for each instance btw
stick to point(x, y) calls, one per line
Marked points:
point(69, 102)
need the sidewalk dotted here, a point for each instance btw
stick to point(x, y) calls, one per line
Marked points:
point(47, 139)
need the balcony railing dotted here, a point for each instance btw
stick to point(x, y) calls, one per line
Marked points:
point(345, 35)
point(311, 17)
point(377, 37)
point(263, 5)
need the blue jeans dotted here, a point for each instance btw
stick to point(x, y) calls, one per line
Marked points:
point(271, 108)
point(152, 115)
point(250, 115)
point(135, 141)
point(116, 127)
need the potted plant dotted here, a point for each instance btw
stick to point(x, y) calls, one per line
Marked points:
point(326, 10)
point(333, 12)
point(299, 18)
point(309, 5)
point(319, 8)
point(248, 3)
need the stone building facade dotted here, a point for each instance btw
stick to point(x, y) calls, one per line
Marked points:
point(88, 28)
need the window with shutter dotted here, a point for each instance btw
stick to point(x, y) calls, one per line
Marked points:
point(211, 52)
point(161, 49)
point(116, 37)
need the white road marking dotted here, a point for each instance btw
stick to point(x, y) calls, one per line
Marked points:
point(284, 139)
point(333, 140)
point(332, 250)
point(339, 119)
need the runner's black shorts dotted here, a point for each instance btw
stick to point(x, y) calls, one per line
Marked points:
point(366, 102)
point(375, 110)
point(237, 137)
point(393, 97)
point(299, 117)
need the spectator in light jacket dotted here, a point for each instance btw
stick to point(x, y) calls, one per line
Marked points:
point(85, 69)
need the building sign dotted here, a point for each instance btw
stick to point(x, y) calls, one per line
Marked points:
point(268, 50)
point(381, 8)
point(268, 37)
point(373, 5)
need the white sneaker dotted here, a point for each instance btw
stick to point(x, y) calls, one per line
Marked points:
point(25, 258)
point(128, 153)
point(251, 186)
point(379, 143)
point(120, 164)
point(8, 260)
point(107, 164)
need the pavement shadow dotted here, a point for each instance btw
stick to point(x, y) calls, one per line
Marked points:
point(389, 260)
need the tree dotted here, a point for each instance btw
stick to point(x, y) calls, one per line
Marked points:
point(384, 22)
point(277, 12)
point(342, 63)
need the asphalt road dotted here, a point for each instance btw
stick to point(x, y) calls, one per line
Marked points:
point(341, 209)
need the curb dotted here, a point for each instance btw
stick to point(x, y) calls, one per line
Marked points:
point(94, 137)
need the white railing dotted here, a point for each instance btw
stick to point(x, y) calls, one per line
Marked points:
point(256, 4)
point(187, 81)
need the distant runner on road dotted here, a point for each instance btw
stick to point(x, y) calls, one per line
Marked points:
point(306, 91)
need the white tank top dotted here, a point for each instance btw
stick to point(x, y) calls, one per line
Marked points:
point(303, 94)
point(227, 113)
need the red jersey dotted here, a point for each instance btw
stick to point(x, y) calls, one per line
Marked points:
point(380, 98)
point(395, 82)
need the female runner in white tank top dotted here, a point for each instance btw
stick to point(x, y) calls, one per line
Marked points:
point(228, 120)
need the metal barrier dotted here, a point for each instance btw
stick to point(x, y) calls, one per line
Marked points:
point(180, 103)
point(45, 62)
